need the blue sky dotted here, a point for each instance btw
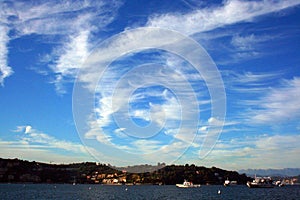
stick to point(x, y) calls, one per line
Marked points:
point(214, 83)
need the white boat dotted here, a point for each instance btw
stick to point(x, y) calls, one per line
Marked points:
point(280, 183)
point(261, 182)
point(187, 184)
point(228, 183)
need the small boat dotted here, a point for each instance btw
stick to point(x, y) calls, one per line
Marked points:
point(261, 182)
point(187, 184)
point(228, 183)
point(280, 183)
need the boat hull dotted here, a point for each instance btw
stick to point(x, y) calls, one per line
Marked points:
point(187, 186)
point(254, 185)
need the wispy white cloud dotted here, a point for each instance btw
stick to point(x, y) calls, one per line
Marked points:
point(62, 18)
point(249, 82)
point(146, 146)
point(33, 136)
point(215, 124)
point(79, 40)
point(262, 98)
point(19, 149)
point(158, 111)
point(70, 58)
point(32, 144)
point(248, 42)
point(206, 19)
point(279, 104)
point(278, 151)
point(208, 25)
point(247, 47)
point(5, 70)
point(70, 24)
point(96, 131)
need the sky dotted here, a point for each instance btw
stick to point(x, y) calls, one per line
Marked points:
point(213, 83)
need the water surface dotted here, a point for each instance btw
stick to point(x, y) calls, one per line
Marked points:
point(86, 191)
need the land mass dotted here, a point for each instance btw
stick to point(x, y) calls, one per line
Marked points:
point(285, 172)
point(22, 171)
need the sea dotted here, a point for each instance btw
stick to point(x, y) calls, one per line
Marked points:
point(86, 191)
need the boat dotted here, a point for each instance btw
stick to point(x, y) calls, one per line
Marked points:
point(228, 183)
point(261, 182)
point(280, 183)
point(187, 184)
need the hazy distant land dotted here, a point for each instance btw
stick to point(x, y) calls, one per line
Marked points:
point(272, 172)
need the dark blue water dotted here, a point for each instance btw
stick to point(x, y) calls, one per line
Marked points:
point(66, 191)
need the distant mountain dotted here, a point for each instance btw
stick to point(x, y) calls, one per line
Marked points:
point(272, 172)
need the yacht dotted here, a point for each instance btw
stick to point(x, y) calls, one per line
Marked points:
point(261, 182)
point(187, 184)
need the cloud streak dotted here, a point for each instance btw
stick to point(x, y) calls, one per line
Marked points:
point(33, 136)
point(5, 70)
point(278, 151)
point(33, 144)
point(69, 24)
point(262, 98)
point(207, 19)
point(70, 57)
point(279, 104)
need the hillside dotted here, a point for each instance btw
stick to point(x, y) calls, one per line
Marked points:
point(20, 171)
